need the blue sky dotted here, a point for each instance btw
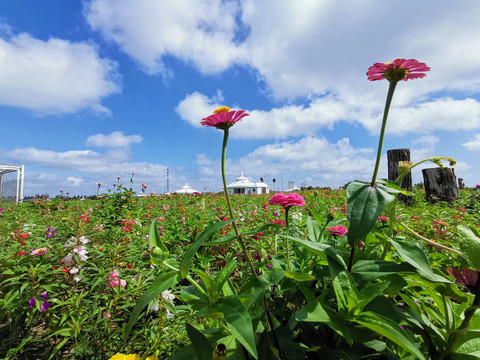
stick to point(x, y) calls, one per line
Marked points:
point(95, 89)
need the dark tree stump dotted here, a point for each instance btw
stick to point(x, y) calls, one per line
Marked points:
point(461, 184)
point(440, 184)
point(394, 156)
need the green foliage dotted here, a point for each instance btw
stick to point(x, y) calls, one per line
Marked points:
point(189, 289)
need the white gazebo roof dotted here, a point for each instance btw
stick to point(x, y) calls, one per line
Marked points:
point(241, 182)
point(186, 190)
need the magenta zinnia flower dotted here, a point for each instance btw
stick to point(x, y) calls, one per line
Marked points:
point(399, 69)
point(337, 230)
point(223, 118)
point(287, 200)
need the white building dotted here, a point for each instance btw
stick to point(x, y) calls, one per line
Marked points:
point(244, 186)
point(186, 190)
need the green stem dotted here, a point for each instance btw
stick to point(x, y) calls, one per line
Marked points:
point(288, 233)
point(224, 152)
point(192, 281)
point(433, 243)
point(391, 90)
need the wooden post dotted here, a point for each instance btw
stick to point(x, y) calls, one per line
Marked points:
point(394, 156)
point(461, 184)
point(440, 184)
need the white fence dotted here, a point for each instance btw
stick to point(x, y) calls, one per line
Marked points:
point(11, 182)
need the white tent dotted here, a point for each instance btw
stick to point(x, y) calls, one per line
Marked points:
point(186, 190)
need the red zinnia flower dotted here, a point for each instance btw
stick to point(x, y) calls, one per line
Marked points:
point(223, 118)
point(399, 69)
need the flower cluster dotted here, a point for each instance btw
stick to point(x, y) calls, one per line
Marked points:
point(78, 254)
point(114, 281)
point(287, 200)
point(50, 233)
point(45, 304)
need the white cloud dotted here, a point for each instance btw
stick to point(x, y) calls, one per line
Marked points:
point(426, 140)
point(310, 159)
point(54, 76)
point(473, 145)
point(199, 32)
point(115, 139)
point(75, 181)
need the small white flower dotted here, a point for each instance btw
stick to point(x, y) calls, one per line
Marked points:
point(155, 306)
point(77, 278)
point(74, 270)
point(83, 240)
point(168, 296)
point(169, 315)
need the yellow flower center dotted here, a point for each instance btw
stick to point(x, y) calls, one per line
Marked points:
point(221, 109)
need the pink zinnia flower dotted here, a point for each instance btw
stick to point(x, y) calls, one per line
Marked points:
point(337, 230)
point(223, 118)
point(465, 277)
point(399, 69)
point(287, 200)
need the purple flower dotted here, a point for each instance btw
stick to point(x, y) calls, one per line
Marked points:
point(44, 295)
point(45, 306)
point(31, 302)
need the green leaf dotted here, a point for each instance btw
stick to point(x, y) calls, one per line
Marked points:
point(299, 276)
point(367, 270)
point(319, 249)
point(225, 273)
point(158, 251)
point(370, 292)
point(345, 290)
point(390, 329)
point(192, 250)
point(364, 205)
point(202, 347)
point(239, 321)
point(468, 343)
point(469, 241)
point(164, 281)
point(413, 253)
point(393, 188)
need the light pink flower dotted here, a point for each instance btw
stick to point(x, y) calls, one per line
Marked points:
point(287, 200)
point(39, 252)
point(223, 118)
point(399, 69)
point(113, 275)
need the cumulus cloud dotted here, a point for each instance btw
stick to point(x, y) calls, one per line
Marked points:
point(54, 76)
point(473, 145)
point(311, 159)
point(75, 181)
point(199, 32)
point(115, 139)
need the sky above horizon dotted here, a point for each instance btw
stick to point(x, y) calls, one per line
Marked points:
point(97, 89)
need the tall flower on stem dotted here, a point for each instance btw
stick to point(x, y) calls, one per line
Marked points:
point(398, 70)
point(223, 119)
point(98, 188)
point(287, 201)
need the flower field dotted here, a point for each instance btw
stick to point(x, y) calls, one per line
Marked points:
point(73, 271)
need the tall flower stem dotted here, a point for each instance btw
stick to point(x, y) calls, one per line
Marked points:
point(391, 90)
point(224, 153)
point(288, 233)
